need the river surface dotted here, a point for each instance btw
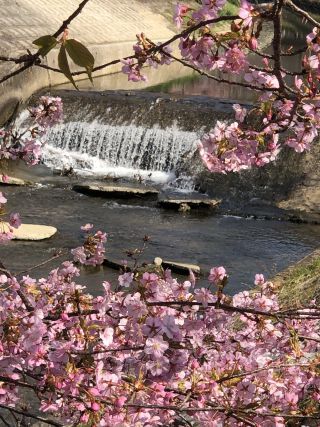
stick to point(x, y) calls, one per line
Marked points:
point(243, 246)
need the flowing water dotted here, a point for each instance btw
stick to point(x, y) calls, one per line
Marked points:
point(243, 246)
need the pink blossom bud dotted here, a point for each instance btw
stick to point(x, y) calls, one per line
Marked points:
point(194, 364)
point(15, 220)
point(64, 316)
point(253, 43)
point(95, 406)
point(120, 401)
point(259, 279)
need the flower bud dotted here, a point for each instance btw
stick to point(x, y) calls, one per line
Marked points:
point(253, 43)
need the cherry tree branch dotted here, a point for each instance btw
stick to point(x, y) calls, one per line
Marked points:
point(41, 264)
point(301, 12)
point(31, 415)
point(68, 21)
point(217, 79)
point(276, 43)
point(30, 60)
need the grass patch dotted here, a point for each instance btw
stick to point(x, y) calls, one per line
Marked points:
point(231, 8)
point(299, 284)
point(167, 86)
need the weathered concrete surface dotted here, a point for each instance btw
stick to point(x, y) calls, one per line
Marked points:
point(306, 195)
point(107, 27)
point(180, 267)
point(15, 181)
point(288, 188)
point(115, 190)
point(192, 203)
point(33, 232)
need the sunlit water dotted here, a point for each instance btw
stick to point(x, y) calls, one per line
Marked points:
point(243, 246)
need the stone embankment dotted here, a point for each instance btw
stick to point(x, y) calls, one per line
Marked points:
point(107, 27)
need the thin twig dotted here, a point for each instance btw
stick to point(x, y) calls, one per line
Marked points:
point(301, 12)
point(4, 421)
point(31, 59)
point(68, 21)
point(266, 368)
point(31, 415)
point(276, 43)
point(15, 73)
point(217, 79)
point(41, 263)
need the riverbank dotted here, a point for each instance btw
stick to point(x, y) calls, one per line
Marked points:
point(299, 284)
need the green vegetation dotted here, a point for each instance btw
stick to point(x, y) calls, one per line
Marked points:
point(231, 8)
point(167, 86)
point(299, 284)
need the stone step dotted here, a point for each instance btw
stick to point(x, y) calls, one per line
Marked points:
point(181, 267)
point(106, 190)
point(15, 181)
point(33, 232)
point(176, 267)
point(185, 204)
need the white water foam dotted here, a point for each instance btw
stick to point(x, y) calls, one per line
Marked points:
point(130, 151)
point(86, 165)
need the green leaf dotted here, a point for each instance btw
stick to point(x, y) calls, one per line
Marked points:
point(45, 44)
point(80, 55)
point(64, 65)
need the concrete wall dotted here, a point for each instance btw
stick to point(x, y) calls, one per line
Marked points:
point(107, 27)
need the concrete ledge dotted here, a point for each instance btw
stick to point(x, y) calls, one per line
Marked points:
point(181, 267)
point(176, 267)
point(192, 203)
point(116, 191)
point(15, 181)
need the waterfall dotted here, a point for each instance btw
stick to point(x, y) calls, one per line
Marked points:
point(107, 149)
point(135, 135)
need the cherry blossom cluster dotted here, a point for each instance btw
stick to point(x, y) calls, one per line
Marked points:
point(210, 50)
point(93, 250)
point(283, 116)
point(155, 350)
point(144, 55)
point(26, 145)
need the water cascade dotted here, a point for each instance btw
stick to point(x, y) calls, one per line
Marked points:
point(141, 136)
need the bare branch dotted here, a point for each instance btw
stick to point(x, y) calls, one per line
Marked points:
point(276, 43)
point(15, 73)
point(58, 255)
point(31, 415)
point(301, 12)
point(68, 21)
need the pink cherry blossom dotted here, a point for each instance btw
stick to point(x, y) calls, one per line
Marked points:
point(15, 220)
point(181, 11)
point(125, 279)
point(3, 200)
point(87, 227)
point(217, 274)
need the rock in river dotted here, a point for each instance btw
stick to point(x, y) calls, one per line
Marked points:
point(108, 190)
point(33, 232)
